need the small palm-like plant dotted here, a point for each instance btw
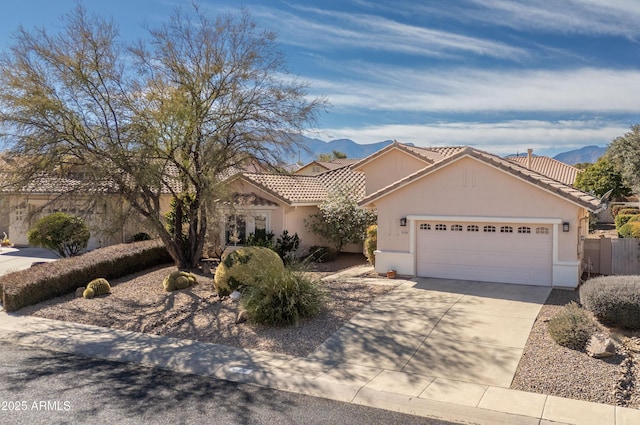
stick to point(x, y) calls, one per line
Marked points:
point(282, 298)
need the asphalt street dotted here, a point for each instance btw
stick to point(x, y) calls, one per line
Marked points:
point(45, 387)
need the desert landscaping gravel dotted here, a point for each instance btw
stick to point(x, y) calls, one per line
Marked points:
point(139, 303)
point(549, 368)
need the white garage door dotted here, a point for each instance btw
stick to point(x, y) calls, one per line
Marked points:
point(488, 252)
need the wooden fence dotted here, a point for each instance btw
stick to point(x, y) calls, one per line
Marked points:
point(612, 256)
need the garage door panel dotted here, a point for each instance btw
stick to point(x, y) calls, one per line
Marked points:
point(495, 257)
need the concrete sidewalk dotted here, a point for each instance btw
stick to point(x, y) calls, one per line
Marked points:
point(386, 357)
point(14, 259)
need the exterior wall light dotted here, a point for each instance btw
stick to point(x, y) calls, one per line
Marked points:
point(403, 222)
point(565, 226)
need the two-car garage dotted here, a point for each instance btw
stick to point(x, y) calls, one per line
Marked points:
point(489, 251)
point(476, 216)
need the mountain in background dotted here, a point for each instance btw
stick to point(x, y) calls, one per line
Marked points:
point(585, 154)
point(350, 148)
point(315, 147)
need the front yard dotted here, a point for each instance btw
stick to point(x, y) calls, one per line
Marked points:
point(139, 303)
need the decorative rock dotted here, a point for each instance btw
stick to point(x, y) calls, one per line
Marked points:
point(599, 346)
point(79, 292)
point(235, 295)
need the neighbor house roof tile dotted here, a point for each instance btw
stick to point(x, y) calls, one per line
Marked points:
point(549, 167)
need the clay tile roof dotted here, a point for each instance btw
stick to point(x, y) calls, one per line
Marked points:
point(549, 167)
point(333, 164)
point(434, 153)
point(301, 189)
point(341, 162)
point(290, 188)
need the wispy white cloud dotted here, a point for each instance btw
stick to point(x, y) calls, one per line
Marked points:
point(593, 17)
point(610, 17)
point(321, 29)
point(475, 90)
point(502, 138)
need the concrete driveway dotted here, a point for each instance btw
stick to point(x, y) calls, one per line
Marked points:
point(13, 259)
point(439, 329)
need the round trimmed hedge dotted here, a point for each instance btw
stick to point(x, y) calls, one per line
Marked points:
point(244, 267)
point(614, 300)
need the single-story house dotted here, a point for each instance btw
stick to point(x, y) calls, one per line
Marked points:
point(461, 213)
point(448, 212)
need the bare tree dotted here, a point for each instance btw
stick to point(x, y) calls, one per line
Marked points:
point(169, 114)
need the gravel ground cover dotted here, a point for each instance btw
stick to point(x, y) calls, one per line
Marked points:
point(549, 368)
point(139, 303)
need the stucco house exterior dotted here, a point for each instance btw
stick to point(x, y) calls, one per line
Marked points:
point(448, 212)
point(461, 213)
point(279, 202)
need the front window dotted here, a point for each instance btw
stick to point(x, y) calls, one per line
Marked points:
point(236, 230)
point(260, 230)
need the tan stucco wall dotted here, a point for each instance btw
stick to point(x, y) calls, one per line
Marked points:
point(107, 219)
point(310, 170)
point(290, 218)
point(471, 188)
point(389, 168)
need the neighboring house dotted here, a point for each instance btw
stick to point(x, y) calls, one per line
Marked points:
point(549, 167)
point(109, 218)
point(461, 213)
point(317, 167)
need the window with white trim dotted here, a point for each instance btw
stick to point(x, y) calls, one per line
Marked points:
point(456, 228)
point(506, 229)
point(441, 227)
point(260, 227)
point(425, 226)
point(524, 229)
point(542, 230)
point(489, 229)
point(473, 228)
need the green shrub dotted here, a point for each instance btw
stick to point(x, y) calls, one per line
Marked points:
point(178, 280)
point(631, 229)
point(99, 286)
point(244, 266)
point(140, 236)
point(371, 243)
point(622, 219)
point(49, 280)
point(64, 234)
point(264, 239)
point(614, 300)
point(282, 298)
point(572, 327)
point(286, 246)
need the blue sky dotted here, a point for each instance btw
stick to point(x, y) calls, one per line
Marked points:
point(500, 75)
